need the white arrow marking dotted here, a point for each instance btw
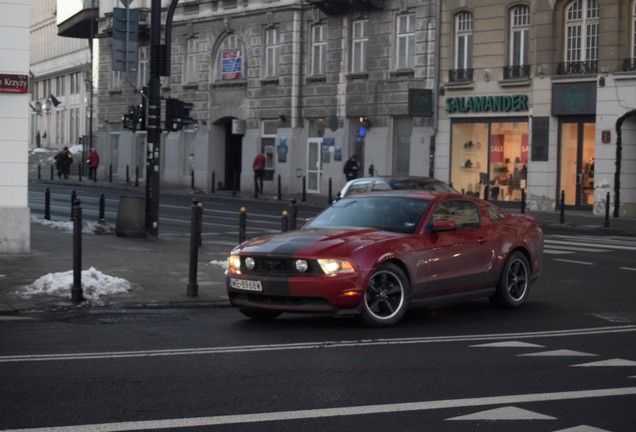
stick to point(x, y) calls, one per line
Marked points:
point(559, 353)
point(505, 413)
point(583, 428)
point(608, 363)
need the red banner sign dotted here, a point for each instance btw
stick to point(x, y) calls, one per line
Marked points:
point(14, 83)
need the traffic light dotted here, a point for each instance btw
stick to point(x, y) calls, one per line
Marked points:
point(142, 111)
point(177, 114)
point(365, 124)
point(129, 120)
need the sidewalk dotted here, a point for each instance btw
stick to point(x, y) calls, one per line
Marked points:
point(158, 269)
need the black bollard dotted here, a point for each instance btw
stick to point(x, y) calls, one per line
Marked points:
point(102, 208)
point(77, 294)
point(606, 224)
point(213, 180)
point(562, 216)
point(523, 200)
point(127, 174)
point(234, 183)
point(330, 192)
point(293, 213)
point(304, 188)
point(195, 234)
point(279, 196)
point(284, 221)
point(39, 172)
point(191, 179)
point(110, 173)
point(242, 223)
point(79, 171)
point(47, 204)
point(137, 175)
point(486, 191)
point(52, 171)
point(73, 199)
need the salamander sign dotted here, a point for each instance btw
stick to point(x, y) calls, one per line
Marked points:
point(14, 83)
point(487, 104)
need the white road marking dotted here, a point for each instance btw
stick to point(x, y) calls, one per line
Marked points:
point(556, 252)
point(628, 268)
point(608, 363)
point(558, 353)
point(337, 412)
point(593, 245)
point(582, 428)
point(504, 413)
point(509, 344)
point(574, 261)
point(317, 345)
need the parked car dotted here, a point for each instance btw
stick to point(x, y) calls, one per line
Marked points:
point(377, 254)
point(375, 184)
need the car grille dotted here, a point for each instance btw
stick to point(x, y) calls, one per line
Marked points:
point(279, 266)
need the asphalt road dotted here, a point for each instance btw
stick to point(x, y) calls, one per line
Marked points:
point(566, 361)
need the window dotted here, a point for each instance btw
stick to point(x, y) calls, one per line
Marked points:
point(464, 213)
point(359, 40)
point(318, 50)
point(634, 30)
point(191, 52)
point(74, 124)
point(581, 37)
point(60, 88)
point(75, 83)
point(519, 38)
point(142, 68)
point(405, 41)
point(115, 81)
point(463, 40)
point(59, 128)
point(271, 52)
point(230, 59)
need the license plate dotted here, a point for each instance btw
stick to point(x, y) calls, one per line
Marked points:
point(248, 285)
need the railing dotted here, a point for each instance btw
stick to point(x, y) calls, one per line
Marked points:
point(516, 72)
point(629, 65)
point(460, 75)
point(578, 68)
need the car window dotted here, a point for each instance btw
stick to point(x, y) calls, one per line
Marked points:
point(397, 214)
point(380, 186)
point(494, 213)
point(358, 187)
point(463, 212)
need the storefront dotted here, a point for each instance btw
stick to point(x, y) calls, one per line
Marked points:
point(489, 155)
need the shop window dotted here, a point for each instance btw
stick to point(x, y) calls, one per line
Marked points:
point(490, 158)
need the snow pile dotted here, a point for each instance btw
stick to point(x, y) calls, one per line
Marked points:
point(88, 227)
point(224, 264)
point(95, 285)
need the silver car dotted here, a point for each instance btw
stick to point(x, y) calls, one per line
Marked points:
point(373, 184)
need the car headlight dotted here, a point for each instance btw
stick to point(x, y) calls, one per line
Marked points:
point(234, 264)
point(335, 266)
point(250, 263)
point(301, 265)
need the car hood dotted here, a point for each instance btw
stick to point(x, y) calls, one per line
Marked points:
point(316, 242)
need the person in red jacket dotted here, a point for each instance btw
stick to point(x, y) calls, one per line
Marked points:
point(93, 163)
point(259, 172)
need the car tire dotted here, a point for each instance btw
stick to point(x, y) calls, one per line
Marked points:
point(514, 282)
point(260, 315)
point(386, 296)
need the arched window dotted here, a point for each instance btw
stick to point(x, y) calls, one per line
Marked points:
point(230, 59)
point(519, 35)
point(463, 47)
point(581, 36)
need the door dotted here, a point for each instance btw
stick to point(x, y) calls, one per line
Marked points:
point(233, 158)
point(314, 164)
point(576, 161)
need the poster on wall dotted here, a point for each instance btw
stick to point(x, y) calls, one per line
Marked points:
point(282, 149)
point(231, 64)
point(496, 148)
point(524, 148)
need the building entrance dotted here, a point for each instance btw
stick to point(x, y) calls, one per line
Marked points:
point(576, 161)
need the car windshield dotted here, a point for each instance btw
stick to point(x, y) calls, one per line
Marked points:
point(397, 214)
point(427, 184)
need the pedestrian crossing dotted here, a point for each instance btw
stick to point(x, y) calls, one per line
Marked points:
point(560, 244)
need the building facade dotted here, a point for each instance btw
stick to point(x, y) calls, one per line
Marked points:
point(307, 83)
point(14, 120)
point(538, 97)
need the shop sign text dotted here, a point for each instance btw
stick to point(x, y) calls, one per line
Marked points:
point(14, 83)
point(487, 104)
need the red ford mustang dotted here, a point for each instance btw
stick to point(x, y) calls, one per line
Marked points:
point(376, 255)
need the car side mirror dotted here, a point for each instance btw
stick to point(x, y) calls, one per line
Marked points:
point(443, 225)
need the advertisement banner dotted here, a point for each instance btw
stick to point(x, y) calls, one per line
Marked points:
point(231, 63)
point(496, 148)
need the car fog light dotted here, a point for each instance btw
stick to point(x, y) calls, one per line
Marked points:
point(250, 263)
point(301, 265)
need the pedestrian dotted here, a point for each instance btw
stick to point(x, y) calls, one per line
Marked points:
point(351, 168)
point(93, 164)
point(259, 172)
point(60, 162)
point(67, 162)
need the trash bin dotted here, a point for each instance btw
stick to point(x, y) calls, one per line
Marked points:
point(131, 217)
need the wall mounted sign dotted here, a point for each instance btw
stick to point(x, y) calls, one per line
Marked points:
point(14, 83)
point(480, 104)
point(577, 98)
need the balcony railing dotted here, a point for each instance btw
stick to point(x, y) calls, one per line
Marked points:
point(516, 72)
point(629, 65)
point(460, 75)
point(578, 68)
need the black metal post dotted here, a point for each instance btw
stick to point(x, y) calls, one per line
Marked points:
point(486, 192)
point(242, 224)
point(279, 195)
point(606, 224)
point(136, 175)
point(52, 172)
point(77, 294)
point(330, 191)
point(110, 173)
point(73, 199)
point(284, 222)
point(213, 182)
point(47, 204)
point(102, 208)
point(562, 216)
point(304, 188)
point(127, 174)
point(293, 213)
point(79, 171)
point(195, 223)
point(234, 181)
point(191, 179)
point(39, 172)
point(523, 200)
